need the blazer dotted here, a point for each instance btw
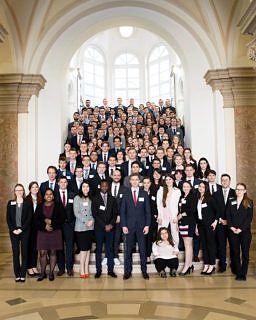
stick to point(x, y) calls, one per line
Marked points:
point(209, 212)
point(239, 218)
point(135, 216)
point(68, 210)
point(113, 151)
point(125, 169)
point(119, 198)
point(173, 203)
point(94, 182)
point(102, 214)
point(178, 132)
point(58, 217)
point(72, 185)
point(67, 174)
point(220, 203)
point(26, 216)
point(188, 204)
point(83, 213)
point(45, 185)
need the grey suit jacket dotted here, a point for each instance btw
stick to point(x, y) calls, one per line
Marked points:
point(83, 213)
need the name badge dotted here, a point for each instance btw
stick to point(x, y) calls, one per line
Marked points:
point(141, 199)
point(204, 205)
point(13, 203)
point(147, 167)
point(85, 204)
point(121, 195)
point(196, 186)
point(180, 204)
point(140, 184)
point(178, 132)
point(91, 176)
point(68, 177)
point(98, 186)
point(70, 200)
point(183, 201)
point(192, 162)
point(173, 172)
point(233, 203)
point(102, 207)
point(164, 168)
point(140, 170)
point(153, 198)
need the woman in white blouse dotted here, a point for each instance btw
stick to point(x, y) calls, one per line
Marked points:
point(167, 205)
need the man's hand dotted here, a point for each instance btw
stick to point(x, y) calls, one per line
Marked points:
point(125, 230)
point(146, 230)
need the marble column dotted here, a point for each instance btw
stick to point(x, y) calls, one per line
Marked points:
point(238, 88)
point(15, 93)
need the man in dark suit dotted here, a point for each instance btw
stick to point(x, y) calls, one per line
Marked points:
point(77, 180)
point(126, 166)
point(80, 136)
point(144, 160)
point(88, 172)
point(73, 161)
point(99, 175)
point(213, 185)
point(51, 183)
point(117, 146)
point(104, 155)
point(135, 221)
point(104, 210)
point(175, 131)
point(190, 176)
point(165, 165)
point(65, 256)
point(222, 196)
point(62, 171)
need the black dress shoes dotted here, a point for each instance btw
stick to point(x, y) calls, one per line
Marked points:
point(97, 275)
point(145, 275)
point(60, 273)
point(51, 277)
point(70, 273)
point(112, 274)
point(41, 277)
point(127, 275)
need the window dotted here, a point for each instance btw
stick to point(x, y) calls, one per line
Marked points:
point(126, 77)
point(126, 31)
point(94, 75)
point(159, 74)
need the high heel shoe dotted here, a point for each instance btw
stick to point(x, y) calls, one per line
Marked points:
point(41, 277)
point(192, 268)
point(209, 273)
point(205, 270)
point(186, 272)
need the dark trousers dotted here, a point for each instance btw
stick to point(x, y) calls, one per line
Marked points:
point(108, 237)
point(129, 243)
point(221, 237)
point(117, 239)
point(240, 243)
point(66, 255)
point(32, 251)
point(161, 264)
point(207, 238)
point(196, 245)
point(150, 238)
point(20, 246)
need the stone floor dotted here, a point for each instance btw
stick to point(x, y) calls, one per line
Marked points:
point(197, 297)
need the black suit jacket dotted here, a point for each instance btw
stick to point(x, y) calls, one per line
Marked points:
point(239, 218)
point(188, 204)
point(105, 216)
point(72, 186)
point(95, 182)
point(68, 209)
point(73, 141)
point(221, 206)
point(209, 211)
point(26, 216)
point(58, 217)
point(119, 198)
point(135, 216)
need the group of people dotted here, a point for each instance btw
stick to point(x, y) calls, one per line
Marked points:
point(126, 175)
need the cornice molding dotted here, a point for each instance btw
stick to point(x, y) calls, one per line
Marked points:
point(237, 85)
point(247, 23)
point(16, 90)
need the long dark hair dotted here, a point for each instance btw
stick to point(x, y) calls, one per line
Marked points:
point(200, 173)
point(159, 239)
point(165, 188)
point(207, 194)
point(80, 192)
point(39, 198)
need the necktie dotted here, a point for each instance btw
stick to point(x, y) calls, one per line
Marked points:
point(104, 158)
point(105, 199)
point(64, 198)
point(51, 185)
point(174, 131)
point(93, 166)
point(102, 177)
point(135, 198)
point(111, 171)
point(86, 171)
point(225, 195)
point(115, 191)
point(79, 140)
point(212, 189)
point(72, 167)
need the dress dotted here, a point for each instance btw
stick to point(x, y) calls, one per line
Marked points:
point(187, 224)
point(49, 240)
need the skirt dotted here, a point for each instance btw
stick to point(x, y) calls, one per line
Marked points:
point(187, 230)
point(84, 239)
point(49, 240)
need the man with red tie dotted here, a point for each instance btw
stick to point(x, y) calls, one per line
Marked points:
point(135, 221)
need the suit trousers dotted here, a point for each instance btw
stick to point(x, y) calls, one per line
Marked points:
point(32, 251)
point(161, 264)
point(109, 240)
point(221, 237)
point(240, 242)
point(67, 254)
point(207, 238)
point(129, 244)
point(117, 239)
point(20, 246)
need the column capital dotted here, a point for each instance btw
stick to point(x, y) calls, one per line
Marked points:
point(16, 90)
point(237, 85)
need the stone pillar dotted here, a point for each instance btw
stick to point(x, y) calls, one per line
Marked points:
point(238, 88)
point(15, 93)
